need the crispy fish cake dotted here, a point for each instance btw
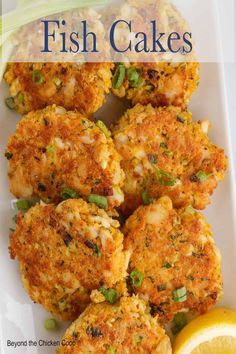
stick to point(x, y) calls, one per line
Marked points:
point(161, 84)
point(53, 149)
point(164, 153)
point(174, 262)
point(74, 86)
point(65, 252)
point(126, 327)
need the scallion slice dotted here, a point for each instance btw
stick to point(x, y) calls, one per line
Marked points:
point(202, 176)
point(21, 97)
point(137, 278)
point(111, 295)
point(118, 77)
point(50, 324)
point(165, 179)
point(133, 77)
point(38, 77)
point(68, 193)
point(23, 205)
point(145, 197)
point(180, 295)
point(103, 128)
point(99, 200)
point(10, 102)
point(179, 322)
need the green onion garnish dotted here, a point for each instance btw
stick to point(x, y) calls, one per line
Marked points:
point(23, 205)
point(180, 119)
point(50, 149)
point(8, 155)
point(180, 295)
point(110, 295)
point(99, 200)
point(179, 322)
point(118, 77)
point(68, 193)
point(137, 278)
point(21, 97)
point(165, 179)
point(38, 77)
point(57, 82)
point(10, 102)
point(111, 349)
point(167, 265)
point(103, 128)
point(145, 197)
point(138, 339)
point(133, 77)
point(202, 176)
point(50, 324)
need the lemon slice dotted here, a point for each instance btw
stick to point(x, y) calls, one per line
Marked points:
point(213, 333)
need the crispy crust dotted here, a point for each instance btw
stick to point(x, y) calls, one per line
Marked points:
point(126, 327)
point(82, 87)
point(173, 249)
point(164, 140)
point(65, 252)
point(52, 149)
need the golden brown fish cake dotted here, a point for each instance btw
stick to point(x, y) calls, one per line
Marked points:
point(160, 84)
point(70, 85)
point(65, 252)
point(174, 262)
point(164, 153)
point(126, 327)
point(53, 149)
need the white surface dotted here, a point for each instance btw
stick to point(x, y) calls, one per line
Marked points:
point(23, 320)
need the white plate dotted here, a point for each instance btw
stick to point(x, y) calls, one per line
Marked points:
point(21, 320)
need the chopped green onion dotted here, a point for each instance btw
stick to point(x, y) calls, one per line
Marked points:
point(179, 322)
point(38, 77)
point(110, 295)
point(190, 210)
point(145, 197)
point(8, 155)
point(137, 278)
point(50, 324)
point(118, 77)
point(23, 205)
point(152, 158)
point(10, 102)
point(50, 149)
point(21, 97)
point(103, 128)
point(167, 265)
point(111, 349)
point(202, 176)
point(133, 77)
point(99, 200)
point(161, 287)
point(57, 82)
point(180, 119)
point(180, 295)
point(68, 193)
point(165, 179)
point(138, 339)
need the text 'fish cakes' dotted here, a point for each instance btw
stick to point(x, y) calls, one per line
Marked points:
point(161, 84)
point(126, 327)
point(174, 262)
point(71, 85)
point(65, 252)
point(53, 149)
point(165, 153)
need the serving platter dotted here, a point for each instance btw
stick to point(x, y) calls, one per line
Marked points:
point(21, 326)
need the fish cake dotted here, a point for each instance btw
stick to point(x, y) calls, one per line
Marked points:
point(65, 252)
point(126, 327)
point(53, 150)
point(174, 264)
point(73, 86)
point(165, 153)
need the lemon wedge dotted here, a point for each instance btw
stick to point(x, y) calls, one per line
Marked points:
point(212, 333)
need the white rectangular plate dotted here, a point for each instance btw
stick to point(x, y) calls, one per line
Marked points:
point(21, 320)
